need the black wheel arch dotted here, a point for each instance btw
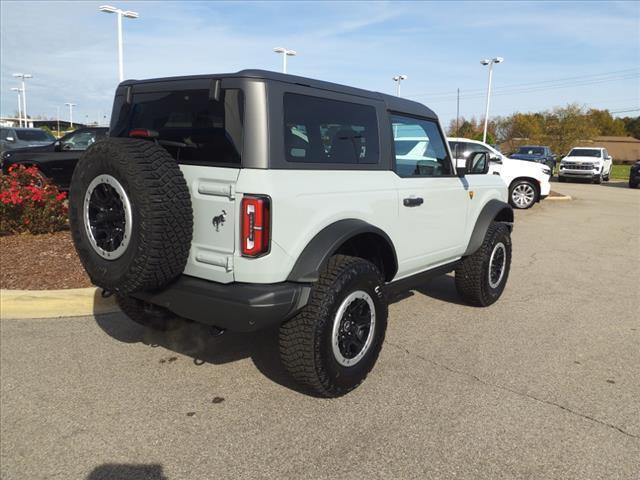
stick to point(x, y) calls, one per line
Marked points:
point(494, 210)
point(351, 237)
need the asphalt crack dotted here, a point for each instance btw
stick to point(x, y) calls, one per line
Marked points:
point(516, 392)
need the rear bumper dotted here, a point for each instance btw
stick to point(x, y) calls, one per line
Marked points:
point(239, 307)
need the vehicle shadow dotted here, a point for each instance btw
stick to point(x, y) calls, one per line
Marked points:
point(440, 288)
point(197, 341)
point(121, 471)
point(618, 184)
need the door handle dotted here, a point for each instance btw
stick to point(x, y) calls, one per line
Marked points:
point(413, 201)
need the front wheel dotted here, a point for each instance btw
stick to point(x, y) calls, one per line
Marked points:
point(523, 194)
point(598, 179)
point(334, 342)
point(482, 276)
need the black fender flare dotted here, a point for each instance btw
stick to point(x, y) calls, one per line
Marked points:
point(493, 210)
point(326, 242)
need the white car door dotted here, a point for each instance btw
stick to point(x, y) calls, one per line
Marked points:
point(433, 202)
point(608, 162)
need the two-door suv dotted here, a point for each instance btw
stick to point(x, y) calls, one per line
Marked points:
point(258, 199)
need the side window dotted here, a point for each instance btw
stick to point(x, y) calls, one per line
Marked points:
point(428, 157)
point(79, 141)
point(319, 130)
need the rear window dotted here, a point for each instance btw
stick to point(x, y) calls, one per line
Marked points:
point(319, 130)
point(192, 127)
point(34, 136)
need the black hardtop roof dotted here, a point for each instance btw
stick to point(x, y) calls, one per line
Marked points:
point(392, 102)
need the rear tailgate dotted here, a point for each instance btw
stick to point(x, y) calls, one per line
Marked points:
point(214, 221)
point(201, 127)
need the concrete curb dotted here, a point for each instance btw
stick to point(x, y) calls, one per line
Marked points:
point(74, 302)
point(559, 197)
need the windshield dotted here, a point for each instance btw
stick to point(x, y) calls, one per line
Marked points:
point(531, 151)
point(35, 135)
point(584, 152)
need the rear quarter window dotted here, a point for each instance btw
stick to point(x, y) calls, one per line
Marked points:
point(325, 131)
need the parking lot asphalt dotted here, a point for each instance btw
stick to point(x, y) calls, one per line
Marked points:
point(543, 384)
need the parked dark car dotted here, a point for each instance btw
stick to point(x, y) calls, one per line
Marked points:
point(634, 175)
point(12, 138)
point(536, 153)
point(58, 159)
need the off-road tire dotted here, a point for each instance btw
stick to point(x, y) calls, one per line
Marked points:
point(472, 274)
point(306, 340)
point(147, 314)
point(162, 218)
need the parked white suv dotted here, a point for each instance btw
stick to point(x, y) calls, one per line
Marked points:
point(586, 163)
point(528, 182)
point(258, 199)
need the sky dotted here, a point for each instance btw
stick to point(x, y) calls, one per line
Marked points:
point(555, 52)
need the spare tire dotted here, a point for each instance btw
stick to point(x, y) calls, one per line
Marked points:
point(130, 214)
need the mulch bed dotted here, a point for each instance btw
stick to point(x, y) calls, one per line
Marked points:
point(40, 262)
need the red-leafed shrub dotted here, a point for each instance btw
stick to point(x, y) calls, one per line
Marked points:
point(30, 203)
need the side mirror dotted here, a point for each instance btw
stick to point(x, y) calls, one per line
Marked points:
point(478, 163)
point(57, 146)
point(496, 160)
point(10, 139)
point(461, 167)
point(609, 157)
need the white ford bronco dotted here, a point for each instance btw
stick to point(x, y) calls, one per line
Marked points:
point(256, 199)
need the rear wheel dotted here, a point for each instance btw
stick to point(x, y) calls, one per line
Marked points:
point(523, 194)
point(334, 342)
point(482, 276)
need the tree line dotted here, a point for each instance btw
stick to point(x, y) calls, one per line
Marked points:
point(560, 128)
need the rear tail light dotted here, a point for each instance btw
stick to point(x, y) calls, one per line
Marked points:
point(143, 133)
point(256, 224)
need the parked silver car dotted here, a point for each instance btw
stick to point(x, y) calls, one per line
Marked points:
point(12, 138)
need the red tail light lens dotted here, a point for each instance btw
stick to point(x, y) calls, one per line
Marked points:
point(256, 223)
point(143, 133)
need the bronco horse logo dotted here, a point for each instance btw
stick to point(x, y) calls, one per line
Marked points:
point(218, 220)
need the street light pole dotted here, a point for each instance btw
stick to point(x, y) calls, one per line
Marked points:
point(24, 76)
point(285, 53)
point(486, 112)
point(19, 90)
point(71, 105)
point(398, 79)
point(119, 13)
point(58, 119)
